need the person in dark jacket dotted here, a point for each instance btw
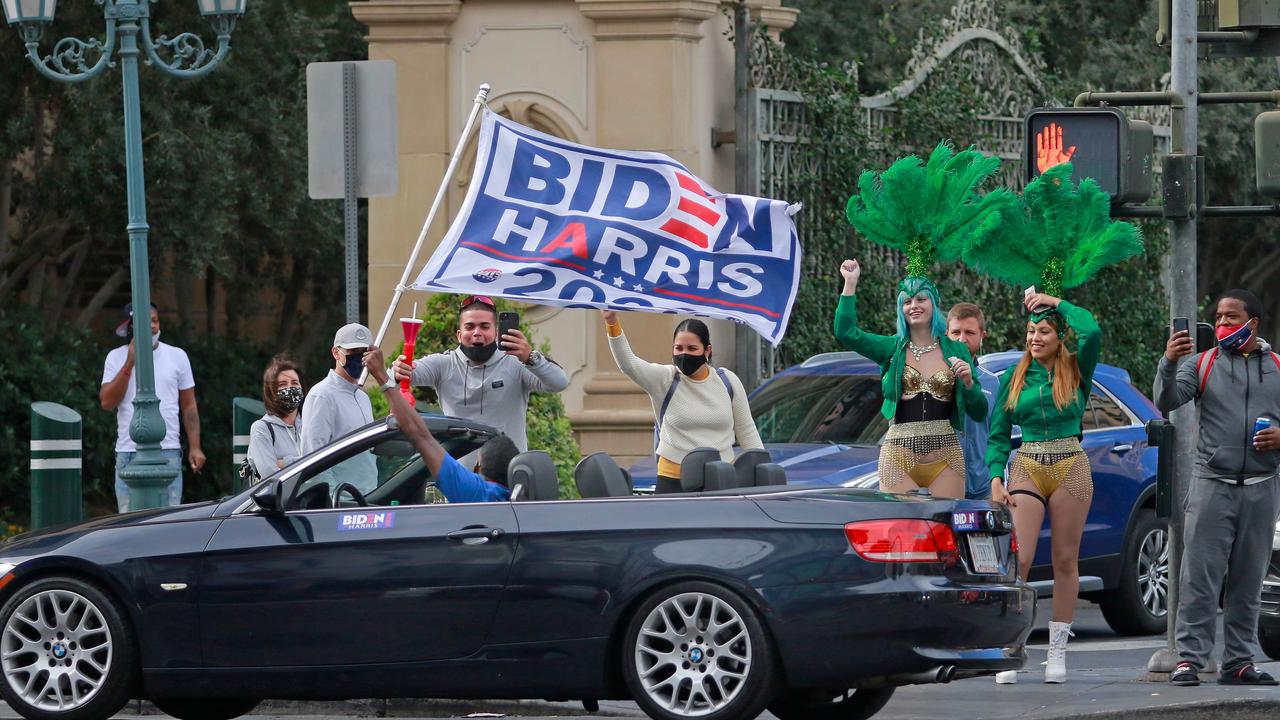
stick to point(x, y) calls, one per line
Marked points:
point(1233, 500)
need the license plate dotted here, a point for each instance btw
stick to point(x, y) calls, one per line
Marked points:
point(982, 549)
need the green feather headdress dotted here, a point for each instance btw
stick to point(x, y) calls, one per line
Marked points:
point(928, 210)
point(1057, 238)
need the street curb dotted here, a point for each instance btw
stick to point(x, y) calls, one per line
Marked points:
point(1236, 708)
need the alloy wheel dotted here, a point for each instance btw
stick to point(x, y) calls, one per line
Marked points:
point(56, 650)
point(1153, 572)
point(693, 654)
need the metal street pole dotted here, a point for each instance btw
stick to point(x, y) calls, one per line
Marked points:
point(746, 173)
point(150, 473)
point(1184, 82)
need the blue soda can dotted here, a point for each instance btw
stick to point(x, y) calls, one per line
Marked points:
point(1261, 424)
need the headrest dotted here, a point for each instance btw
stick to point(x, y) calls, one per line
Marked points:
point(535, 471)
point(719, 475)
point(745, 465)
point(598, 475)
point(770, 474)
point(692, 468)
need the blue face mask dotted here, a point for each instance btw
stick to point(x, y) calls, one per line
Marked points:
point(1233, 337)
point(354, 365)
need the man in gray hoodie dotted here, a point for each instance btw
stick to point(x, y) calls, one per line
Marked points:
point(1233, 500)
point(477, 382)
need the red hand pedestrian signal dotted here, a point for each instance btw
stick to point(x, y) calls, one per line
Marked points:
point(1049, 150)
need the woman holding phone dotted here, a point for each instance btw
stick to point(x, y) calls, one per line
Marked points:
point(1057, 238)
point(694, 404)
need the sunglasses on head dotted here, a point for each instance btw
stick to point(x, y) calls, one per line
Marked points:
point(482, 299)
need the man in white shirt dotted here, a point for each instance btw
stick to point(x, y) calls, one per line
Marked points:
point(175, 387)
point(337, 405)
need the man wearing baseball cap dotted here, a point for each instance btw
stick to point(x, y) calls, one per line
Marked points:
point(175, 387)
point(337, 405)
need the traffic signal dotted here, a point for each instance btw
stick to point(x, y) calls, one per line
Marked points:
point(1100, 142)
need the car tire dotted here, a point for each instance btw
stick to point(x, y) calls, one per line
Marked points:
point(73, 642)
point(1140, 603)
point(1269, 640)
point(205, 709)
point(852, 704)
point(696, 649)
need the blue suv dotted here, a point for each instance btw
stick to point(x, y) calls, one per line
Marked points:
point(821, 421)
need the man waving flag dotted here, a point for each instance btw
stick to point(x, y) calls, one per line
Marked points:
point(552, 222)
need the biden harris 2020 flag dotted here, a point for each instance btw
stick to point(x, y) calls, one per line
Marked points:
point(550, 222)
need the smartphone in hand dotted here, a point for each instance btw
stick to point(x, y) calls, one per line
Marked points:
point(1181, 324)
point(507, 321)
point(1026, 294)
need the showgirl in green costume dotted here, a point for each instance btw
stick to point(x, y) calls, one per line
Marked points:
point(927, 210)
point(1058, 239)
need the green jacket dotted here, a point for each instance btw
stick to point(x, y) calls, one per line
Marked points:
point(1037, 415)
point(890, 353)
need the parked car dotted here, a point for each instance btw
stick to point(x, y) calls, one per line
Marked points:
point(1269, 618)
point(821, 421)
point(813, 602)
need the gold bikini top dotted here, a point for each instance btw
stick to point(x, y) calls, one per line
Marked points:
point(941, 385)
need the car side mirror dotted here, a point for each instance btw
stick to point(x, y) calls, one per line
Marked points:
point(270, 497)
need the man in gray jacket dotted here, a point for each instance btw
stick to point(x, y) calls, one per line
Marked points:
point(477, 382)
point(1234, 498)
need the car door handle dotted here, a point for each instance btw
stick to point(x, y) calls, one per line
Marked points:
point(476, 535)
point(1122, 449)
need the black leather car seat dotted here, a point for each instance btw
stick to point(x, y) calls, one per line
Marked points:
point(598, 475)
point(532, 476)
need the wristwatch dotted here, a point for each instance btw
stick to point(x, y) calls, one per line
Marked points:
point(535, 357)
point(390, 383)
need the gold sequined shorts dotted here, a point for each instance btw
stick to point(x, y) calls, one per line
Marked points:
point(918, 452)
point(1041, 468)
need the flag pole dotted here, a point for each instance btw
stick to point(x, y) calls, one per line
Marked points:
point(481, 96)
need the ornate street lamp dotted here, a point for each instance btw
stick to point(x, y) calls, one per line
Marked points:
point(128, 36)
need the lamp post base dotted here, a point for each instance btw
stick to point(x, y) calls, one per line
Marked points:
point(148, 477)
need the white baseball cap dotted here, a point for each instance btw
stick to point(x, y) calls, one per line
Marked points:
point(352, 336)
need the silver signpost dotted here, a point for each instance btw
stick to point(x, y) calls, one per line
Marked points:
point(351, 145)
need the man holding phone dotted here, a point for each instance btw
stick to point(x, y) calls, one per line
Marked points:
point(489, 375)
point(1233, 498)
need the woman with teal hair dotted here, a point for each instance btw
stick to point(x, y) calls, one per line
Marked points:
point(927, 210)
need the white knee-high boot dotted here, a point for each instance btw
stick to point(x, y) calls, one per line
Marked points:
point(1055, 671)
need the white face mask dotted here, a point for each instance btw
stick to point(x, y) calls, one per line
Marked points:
point(155, 339)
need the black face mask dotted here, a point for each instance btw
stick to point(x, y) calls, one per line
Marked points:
point(688, 364)
point(480, 353)
point(354, 365)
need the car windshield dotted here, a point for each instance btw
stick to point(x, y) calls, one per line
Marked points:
point(842, 409)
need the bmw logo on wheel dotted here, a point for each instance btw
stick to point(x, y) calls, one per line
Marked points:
point(59, 651)
point(695, 655)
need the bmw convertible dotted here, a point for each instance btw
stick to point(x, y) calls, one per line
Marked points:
point(713, 604)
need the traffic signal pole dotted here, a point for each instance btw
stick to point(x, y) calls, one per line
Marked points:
point(1184, 83)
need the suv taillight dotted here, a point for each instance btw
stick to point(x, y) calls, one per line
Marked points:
point(903, 541)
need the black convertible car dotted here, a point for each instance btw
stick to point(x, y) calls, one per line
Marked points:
point(713, 604)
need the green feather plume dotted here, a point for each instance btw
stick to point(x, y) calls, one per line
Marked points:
point(1058, 237)
point(928, 210)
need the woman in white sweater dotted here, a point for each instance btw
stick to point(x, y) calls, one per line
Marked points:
point(706, 408)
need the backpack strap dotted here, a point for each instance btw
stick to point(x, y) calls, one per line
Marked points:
point(1203, 369)
point(725, 379)
point(675, 380)
point(1276, 358)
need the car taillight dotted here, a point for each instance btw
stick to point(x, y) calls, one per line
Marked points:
point(902, 540)
point(1013, 541)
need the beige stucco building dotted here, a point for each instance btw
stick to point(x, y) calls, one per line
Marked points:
point(632, 74)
